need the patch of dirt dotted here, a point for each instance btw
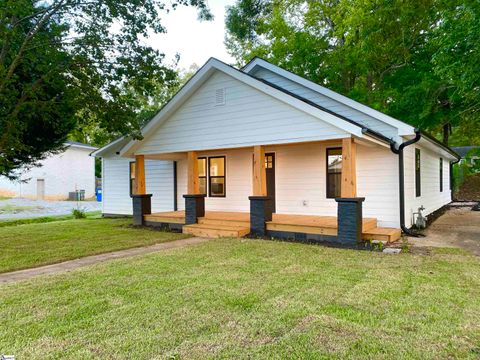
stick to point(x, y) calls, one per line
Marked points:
point(470, 189)
point(457, 228)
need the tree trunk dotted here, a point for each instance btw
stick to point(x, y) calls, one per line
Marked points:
point(447, 129)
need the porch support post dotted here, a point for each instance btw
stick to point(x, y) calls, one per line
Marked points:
point(194, 201)
point(349, 217)
point(349, 168)
point(260, 207)
point(141, 201)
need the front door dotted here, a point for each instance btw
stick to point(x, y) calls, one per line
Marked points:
point(270, 169)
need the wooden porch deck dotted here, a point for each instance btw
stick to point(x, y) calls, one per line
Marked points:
point(222, 223)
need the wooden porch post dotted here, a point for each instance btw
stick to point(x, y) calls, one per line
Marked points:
point(140, 187)
point(193, 186)
point(194, 201)
point(349, 168)
point(259, 172)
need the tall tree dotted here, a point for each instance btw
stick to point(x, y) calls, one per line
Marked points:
point(70, 62)
point(387, 54)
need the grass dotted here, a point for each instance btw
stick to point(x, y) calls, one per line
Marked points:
point(44, 219)
point(247, 299)
point(32, 245)
point(2, 197)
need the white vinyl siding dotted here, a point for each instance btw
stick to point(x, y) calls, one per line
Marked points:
point(249, 117)
point(301, 181)
point(431, 197)
point(326, 102)
point(116, 187)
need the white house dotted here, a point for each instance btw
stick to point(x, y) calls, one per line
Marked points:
point(232, 133)
point(59, 174)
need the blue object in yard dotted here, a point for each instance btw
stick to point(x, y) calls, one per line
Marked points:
point(98, 193)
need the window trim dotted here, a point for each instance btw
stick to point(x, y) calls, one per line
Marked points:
point(327, 182)
point(206, 174)
point(130, 176)
point(218, 177)
point(441, 174)
point(418, 173)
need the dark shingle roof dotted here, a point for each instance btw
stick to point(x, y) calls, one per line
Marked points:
point(464, 150)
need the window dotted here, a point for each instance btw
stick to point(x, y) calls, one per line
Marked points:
point(441, 174)
point(418, 185)
point(216, 176)
point(269, 161)
point(202, 175)
point(132, 178)
point(334, 172)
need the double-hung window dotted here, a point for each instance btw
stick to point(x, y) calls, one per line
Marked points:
point(418, 183)
point(202, 175)
point(216, 176)
point(334, 172)
point(132, 178)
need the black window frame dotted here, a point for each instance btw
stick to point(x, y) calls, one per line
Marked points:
point(206, 174)
point(327, 192)
point(441, 174)
point(130, 176)
point(210, 177)
point(418, 173)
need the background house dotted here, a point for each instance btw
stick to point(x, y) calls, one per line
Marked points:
point(71, 170)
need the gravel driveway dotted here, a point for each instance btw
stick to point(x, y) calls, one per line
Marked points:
point(25, 208)
point(456, 228)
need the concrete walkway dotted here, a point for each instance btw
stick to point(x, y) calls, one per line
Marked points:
point(94, 259)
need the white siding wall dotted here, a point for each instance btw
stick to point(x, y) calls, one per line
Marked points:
point(249, 117)
point(431, 197)
point(71, 170)
point(301, 181)
point(326, 102)
point(116, 185)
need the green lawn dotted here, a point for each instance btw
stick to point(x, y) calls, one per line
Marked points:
point(250, 299)
point(31, 245)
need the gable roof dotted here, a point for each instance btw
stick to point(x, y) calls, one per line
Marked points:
point(79, 145)
point(404, 129)
point(464, 150)
point(276, 92)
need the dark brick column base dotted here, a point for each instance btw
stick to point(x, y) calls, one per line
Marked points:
point(194, 208)
point(349, 220)
point(260, 212)
point(142, 205)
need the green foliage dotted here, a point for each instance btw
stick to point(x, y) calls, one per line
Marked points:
point(79, 213)
point(67, 65)
point(465, 168)
point(415, 60)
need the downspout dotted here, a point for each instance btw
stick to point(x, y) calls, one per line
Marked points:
point(401, 179)
point(452, 189)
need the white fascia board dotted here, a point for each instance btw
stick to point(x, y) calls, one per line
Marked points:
point(205, 71)
point(106, 148)
point(403, 128)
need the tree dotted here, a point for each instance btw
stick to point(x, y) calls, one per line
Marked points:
point(390, 55)
point(65, 63)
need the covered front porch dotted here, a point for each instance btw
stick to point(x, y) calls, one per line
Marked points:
point(287, 226)
point(234, 198)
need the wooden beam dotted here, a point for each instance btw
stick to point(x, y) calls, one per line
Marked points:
point(349, 168)
point(259, 172)
point(193, 185)
point(140, 186)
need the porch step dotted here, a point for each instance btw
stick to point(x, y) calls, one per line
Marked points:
point(226, 222)
point(383, 234)
point(216, 230)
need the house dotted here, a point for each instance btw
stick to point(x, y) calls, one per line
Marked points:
point(263, 151)
point(59, 174)
point(468, 154)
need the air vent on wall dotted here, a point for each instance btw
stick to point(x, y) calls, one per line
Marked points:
point(220, 97)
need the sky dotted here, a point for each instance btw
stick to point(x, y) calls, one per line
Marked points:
point(194, 40)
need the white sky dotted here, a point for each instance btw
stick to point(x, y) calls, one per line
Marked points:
point(195, 41)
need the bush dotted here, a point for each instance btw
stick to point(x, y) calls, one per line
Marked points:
point(79, 213)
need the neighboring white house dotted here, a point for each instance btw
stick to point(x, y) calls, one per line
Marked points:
point(304, 129)
point(59, 174)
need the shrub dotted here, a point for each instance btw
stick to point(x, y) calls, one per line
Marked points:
point(79, 213)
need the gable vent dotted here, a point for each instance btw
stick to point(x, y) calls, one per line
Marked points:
point(220, 97)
